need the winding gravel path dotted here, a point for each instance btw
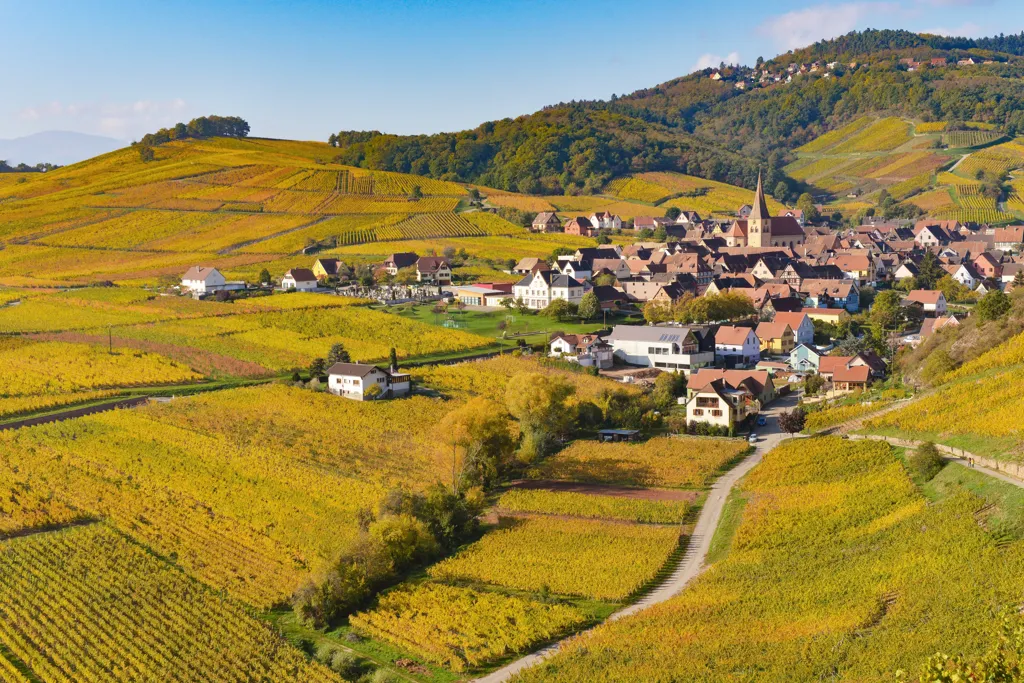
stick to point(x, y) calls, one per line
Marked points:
point(692, 563)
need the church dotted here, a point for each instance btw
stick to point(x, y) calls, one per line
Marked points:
point(761, 229)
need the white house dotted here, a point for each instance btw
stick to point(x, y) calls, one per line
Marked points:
point(605, 220)
point(353, 380)
point(669, 348)
point(201, 280)
point(737, 346)
point(932, 301)
point(299, 279)
point(800, 323)
point(539, 289)
point(433, 270)
point(963, 274)
point(585, 349)
point(575, 270)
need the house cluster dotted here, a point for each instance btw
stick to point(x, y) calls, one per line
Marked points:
point(774, 260)
point(548, 221)
point(913, 64)
point(977, 256)
point(430, 270)
point(745, 78)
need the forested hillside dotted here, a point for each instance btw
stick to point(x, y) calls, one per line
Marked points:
point(713, 129)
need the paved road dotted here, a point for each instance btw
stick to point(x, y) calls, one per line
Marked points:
point(692, 563)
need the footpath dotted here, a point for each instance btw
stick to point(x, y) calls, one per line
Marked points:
point(692, 563)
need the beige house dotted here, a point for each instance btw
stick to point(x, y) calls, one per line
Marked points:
point(719, 404)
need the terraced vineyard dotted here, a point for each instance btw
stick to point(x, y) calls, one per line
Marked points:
point(836, 559)
point(706, 197)
point(970, 138)
point(87, 604)
point(865, 156)
point(238, 205)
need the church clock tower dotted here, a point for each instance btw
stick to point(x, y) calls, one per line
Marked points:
point(759, 224)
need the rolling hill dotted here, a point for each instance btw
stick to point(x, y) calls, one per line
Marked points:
point(245, 204)
point(713, 129)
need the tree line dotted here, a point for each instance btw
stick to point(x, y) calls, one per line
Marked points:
point(202, 127)
point(25, 168)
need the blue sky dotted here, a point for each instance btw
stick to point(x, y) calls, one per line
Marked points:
point(303, 69)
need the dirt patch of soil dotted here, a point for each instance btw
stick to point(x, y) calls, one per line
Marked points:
point(600, 489)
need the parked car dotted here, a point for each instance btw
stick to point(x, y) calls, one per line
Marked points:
point(762, 420)
point(752, 438)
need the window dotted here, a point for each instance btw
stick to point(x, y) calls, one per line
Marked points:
point(698, 411)
point(707, 402)
point(716, 413)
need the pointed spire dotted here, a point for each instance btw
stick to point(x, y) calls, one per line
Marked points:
point(760, 209)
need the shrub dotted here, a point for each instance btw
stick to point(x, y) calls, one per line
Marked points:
point(926, 461)
point(385, 676)
point(346, 665)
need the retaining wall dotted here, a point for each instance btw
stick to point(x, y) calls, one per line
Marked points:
point(1010, 469)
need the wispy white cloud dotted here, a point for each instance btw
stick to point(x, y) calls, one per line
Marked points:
point(710, 61)
point(122, 120)
point(966, 30)
point(802, 27)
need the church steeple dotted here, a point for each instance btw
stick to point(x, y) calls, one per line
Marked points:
point(760, 209)
point(759, 224)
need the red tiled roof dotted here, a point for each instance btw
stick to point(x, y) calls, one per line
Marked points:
point(732, 335)
point(858, 373)
point(925, 296)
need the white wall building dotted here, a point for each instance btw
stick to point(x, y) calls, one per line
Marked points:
point(201, 280)
point(737, 346)
point(669, 348)
point(299, 279)
point(539, 289)
point(353, 380)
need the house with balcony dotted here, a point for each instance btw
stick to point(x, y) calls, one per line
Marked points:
point(433, 270)
point(354, 381)
point(677, 349)
point(759, 382)
point(720, 404)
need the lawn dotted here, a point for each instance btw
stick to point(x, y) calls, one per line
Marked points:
point(531, 325)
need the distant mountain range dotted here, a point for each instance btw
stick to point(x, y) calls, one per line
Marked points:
point(59, 147)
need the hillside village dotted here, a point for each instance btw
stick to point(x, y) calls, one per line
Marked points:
point(718, 380)
point(798, 286)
